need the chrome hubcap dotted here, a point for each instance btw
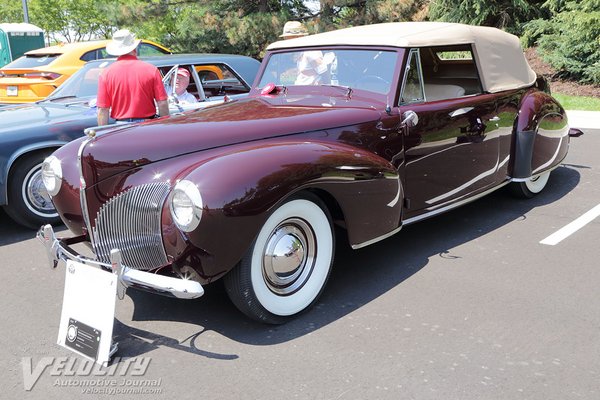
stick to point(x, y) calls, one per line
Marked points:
point(288, 257)
point(35, 194)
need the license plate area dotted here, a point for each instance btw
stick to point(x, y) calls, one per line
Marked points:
point(12, 90)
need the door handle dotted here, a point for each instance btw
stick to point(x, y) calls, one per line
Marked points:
point(459, 112)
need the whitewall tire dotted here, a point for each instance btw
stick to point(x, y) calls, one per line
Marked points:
point(287, 266)
point(531, 186)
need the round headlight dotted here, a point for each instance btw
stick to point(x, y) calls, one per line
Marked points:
point(52, 175)
point(186, 205)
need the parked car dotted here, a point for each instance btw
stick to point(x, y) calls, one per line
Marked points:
point(407, 121)
point(31, 132)
point(36, 74)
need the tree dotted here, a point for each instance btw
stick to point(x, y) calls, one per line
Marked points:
point(503, 14)
point(70, 20)
point(234, 26)
point(569, 39)
point(11, 11)
point(335, 14)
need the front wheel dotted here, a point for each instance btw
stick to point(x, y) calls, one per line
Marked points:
point(287, 266)
point(28, 201)
point(530, 187)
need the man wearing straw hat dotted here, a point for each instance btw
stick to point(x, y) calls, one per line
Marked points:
point(293, 29)
point(128, 88)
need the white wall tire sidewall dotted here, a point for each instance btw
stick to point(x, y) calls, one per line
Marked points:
point(303, 297)
point(25, 198)
point(536, 186)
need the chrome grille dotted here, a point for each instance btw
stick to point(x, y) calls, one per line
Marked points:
point(130, 222)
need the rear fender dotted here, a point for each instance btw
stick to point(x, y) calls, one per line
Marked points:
point(541, 139)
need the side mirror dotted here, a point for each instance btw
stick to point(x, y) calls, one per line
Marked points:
point(410, 119)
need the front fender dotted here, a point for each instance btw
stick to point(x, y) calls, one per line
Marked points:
point(541, 139)
point(241, 188)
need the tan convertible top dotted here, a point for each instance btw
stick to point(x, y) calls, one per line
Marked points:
point(498, 54)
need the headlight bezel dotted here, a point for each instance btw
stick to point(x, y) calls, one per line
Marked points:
point(52, 174)
point(187, 189)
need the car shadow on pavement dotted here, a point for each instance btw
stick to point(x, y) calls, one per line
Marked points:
point(358, 277)
point(11, 232)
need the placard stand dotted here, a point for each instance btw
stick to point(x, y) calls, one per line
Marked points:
point(88, 312)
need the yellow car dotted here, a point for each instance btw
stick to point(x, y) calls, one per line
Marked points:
point(35, 75)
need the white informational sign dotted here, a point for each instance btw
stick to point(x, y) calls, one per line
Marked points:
point(88, 311)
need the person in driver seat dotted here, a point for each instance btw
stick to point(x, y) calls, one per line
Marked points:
point(181, 83)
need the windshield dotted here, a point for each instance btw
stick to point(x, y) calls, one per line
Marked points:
point(370, 70)
point(84, 83)
point(32, 61)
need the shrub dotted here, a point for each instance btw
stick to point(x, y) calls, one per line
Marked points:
point(569, 40)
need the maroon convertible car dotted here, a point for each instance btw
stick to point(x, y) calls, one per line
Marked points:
point(369, 128)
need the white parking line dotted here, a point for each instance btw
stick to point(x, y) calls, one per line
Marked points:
point(573, 227)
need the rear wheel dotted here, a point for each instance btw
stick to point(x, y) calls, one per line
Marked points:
point(29, 203)
point(530, 187)
point(287, 266)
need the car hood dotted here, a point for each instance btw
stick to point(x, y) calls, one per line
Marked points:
point(19, 117)
point(231, 123)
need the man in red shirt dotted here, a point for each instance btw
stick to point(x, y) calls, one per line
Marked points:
point(128, 88)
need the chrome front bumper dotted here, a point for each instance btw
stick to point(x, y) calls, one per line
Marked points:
point(59, 250)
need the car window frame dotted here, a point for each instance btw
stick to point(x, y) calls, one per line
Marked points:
point(412, 53)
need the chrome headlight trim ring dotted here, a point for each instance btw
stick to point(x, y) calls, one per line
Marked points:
point(185, 204)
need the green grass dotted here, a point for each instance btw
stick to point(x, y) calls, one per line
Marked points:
point(578, 102)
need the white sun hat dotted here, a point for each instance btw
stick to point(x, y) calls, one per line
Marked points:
point(123, 42)
point(293, 28)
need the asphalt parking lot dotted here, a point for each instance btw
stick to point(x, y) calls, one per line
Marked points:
point(469, 305)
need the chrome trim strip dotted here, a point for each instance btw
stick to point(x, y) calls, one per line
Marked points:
point(82, 186)
point(377, 239)
point(452, 206)
point(464, 185)
point(428, 215)
point(57, 250)
point(534, 175)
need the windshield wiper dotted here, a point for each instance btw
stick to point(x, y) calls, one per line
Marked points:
point(347, 89)
point(61, 98)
